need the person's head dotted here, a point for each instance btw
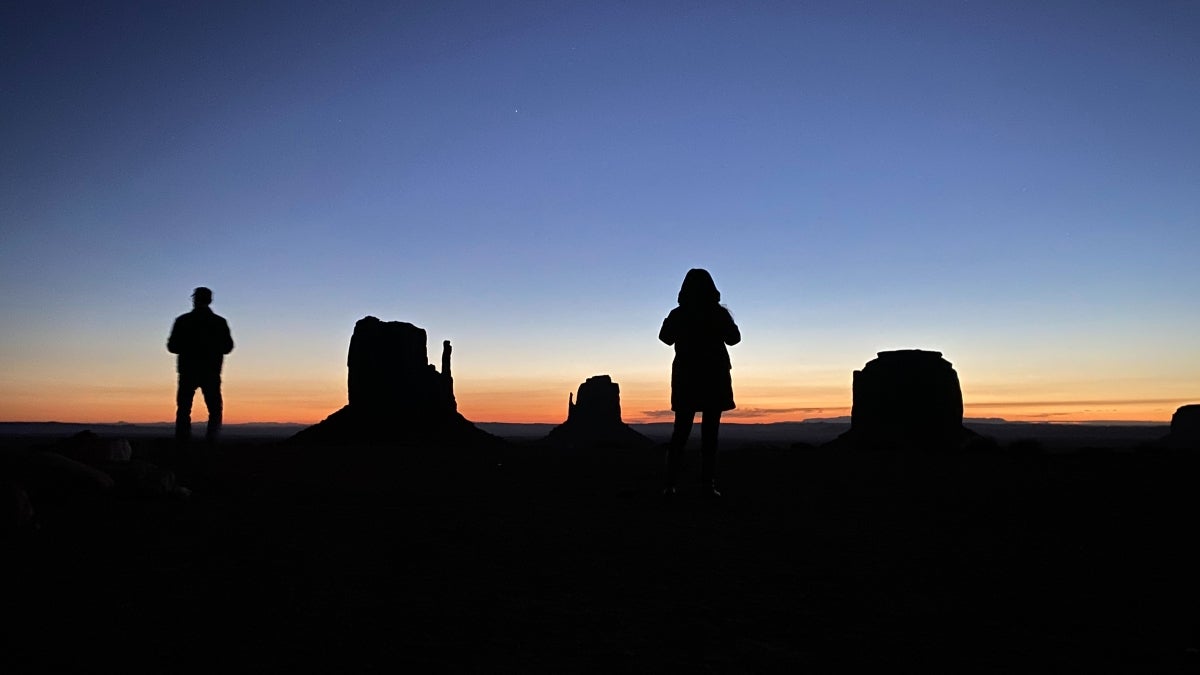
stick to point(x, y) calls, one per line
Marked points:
point(699, 288)
point(202, 297)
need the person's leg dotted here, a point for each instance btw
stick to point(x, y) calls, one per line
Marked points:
point(211, 388)
point(709, 427)
point(183, 408)
point(679, 438)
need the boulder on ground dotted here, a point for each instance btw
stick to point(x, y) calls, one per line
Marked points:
point(143, 479)
point(50, 472)
point(16, 511)
point(89, 448)
point(594, 419)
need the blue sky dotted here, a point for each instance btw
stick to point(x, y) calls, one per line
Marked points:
point(1014, 184)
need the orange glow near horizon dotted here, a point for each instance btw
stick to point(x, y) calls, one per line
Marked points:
point(310, 402)
point(1152, 410)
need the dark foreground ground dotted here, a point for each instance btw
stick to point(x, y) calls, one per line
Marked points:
point(364, 560)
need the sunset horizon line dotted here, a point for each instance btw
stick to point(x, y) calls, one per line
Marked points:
point(734, 420)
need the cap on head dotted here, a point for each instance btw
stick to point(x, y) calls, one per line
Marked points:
point(202, 295)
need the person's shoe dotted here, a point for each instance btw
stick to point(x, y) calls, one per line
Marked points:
point(709, 490)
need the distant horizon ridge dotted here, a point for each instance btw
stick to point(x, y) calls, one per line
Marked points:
point(810, 420)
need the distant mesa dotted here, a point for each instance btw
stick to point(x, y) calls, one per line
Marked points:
point(394, 394)
point(908, 399)
point(594, 419)
point(1185, 428)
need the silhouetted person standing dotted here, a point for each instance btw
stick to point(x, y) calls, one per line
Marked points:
point(700, 328)
point(201, 339)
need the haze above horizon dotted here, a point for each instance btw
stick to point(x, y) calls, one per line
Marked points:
point(1011, 184)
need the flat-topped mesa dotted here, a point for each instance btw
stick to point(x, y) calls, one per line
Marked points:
point(598, 403)
point(389, 366)
point(1185, 428)
point(908, 398)
point(394, 394)
point(594, 419)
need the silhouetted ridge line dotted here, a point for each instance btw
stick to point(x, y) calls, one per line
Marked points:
point(394, 394)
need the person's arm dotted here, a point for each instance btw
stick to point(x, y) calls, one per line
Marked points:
point(732, 334)
point(226, 338)
point(173, 342)
point(667, 333)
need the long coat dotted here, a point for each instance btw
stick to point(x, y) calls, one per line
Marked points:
point(700, 378)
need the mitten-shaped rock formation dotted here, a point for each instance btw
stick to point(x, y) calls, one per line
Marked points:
point(1185, 427)
point(594, 419)
point(907, 399)
point(389, 369)
point(395, 394)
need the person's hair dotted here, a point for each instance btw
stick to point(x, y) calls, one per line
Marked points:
point(202, 294)
point(699, 288)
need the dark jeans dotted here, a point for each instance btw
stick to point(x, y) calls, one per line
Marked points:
point(210, 387)
point(709, 426)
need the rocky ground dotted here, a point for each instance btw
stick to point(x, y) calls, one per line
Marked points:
point(528, 559)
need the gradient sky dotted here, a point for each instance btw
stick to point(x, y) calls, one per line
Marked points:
point(1015, 184)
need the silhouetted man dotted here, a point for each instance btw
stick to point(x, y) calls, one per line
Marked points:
point(201, 339)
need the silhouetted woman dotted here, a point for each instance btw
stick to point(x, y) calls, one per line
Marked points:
point(699, 327)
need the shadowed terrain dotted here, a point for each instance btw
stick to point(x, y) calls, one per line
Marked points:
point(523, 558)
